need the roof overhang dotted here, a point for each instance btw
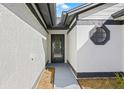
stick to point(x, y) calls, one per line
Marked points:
point(69, 16)
point(118, 14)
point(104, 13)
point(48, 13)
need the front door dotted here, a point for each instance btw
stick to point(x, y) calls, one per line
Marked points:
point(57, 48)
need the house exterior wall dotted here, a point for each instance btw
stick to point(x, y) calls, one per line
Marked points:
point(23, 12)
point(85, 56)
point(122, 45)
point(72, 53)
point(98, 58)
point(49, 42)
point(22, 53)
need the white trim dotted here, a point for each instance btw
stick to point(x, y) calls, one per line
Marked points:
point(72, 22)
point(95, 10)
point(81, 9)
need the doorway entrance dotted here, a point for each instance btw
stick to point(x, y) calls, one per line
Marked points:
point(57, 48)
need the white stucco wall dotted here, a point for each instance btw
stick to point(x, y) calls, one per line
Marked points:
point(122, 45)
point(49, 42)
point(98, 58)
point(22, 56)
point(23, 12)
point(72, 54)
point(85, 56)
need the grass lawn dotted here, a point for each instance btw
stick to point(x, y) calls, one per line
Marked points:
point(99, 83)
point(46, 80)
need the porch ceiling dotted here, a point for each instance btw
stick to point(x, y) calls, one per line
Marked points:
point(48, 13)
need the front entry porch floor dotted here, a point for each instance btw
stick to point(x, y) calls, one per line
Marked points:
point(64, 77)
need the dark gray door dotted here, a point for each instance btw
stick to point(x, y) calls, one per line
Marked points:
point(57, 48)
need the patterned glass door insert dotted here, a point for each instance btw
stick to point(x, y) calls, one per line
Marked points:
point(57, 44)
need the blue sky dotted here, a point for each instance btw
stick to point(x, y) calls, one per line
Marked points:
point(64, 7)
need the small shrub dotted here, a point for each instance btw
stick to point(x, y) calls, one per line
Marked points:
point(120, 80)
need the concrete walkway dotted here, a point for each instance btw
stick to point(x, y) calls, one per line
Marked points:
point(64, 77)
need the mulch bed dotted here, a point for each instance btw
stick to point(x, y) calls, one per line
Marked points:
point(46, 81)
point(98, 83)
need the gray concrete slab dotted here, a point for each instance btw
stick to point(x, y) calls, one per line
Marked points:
point(64, 77)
